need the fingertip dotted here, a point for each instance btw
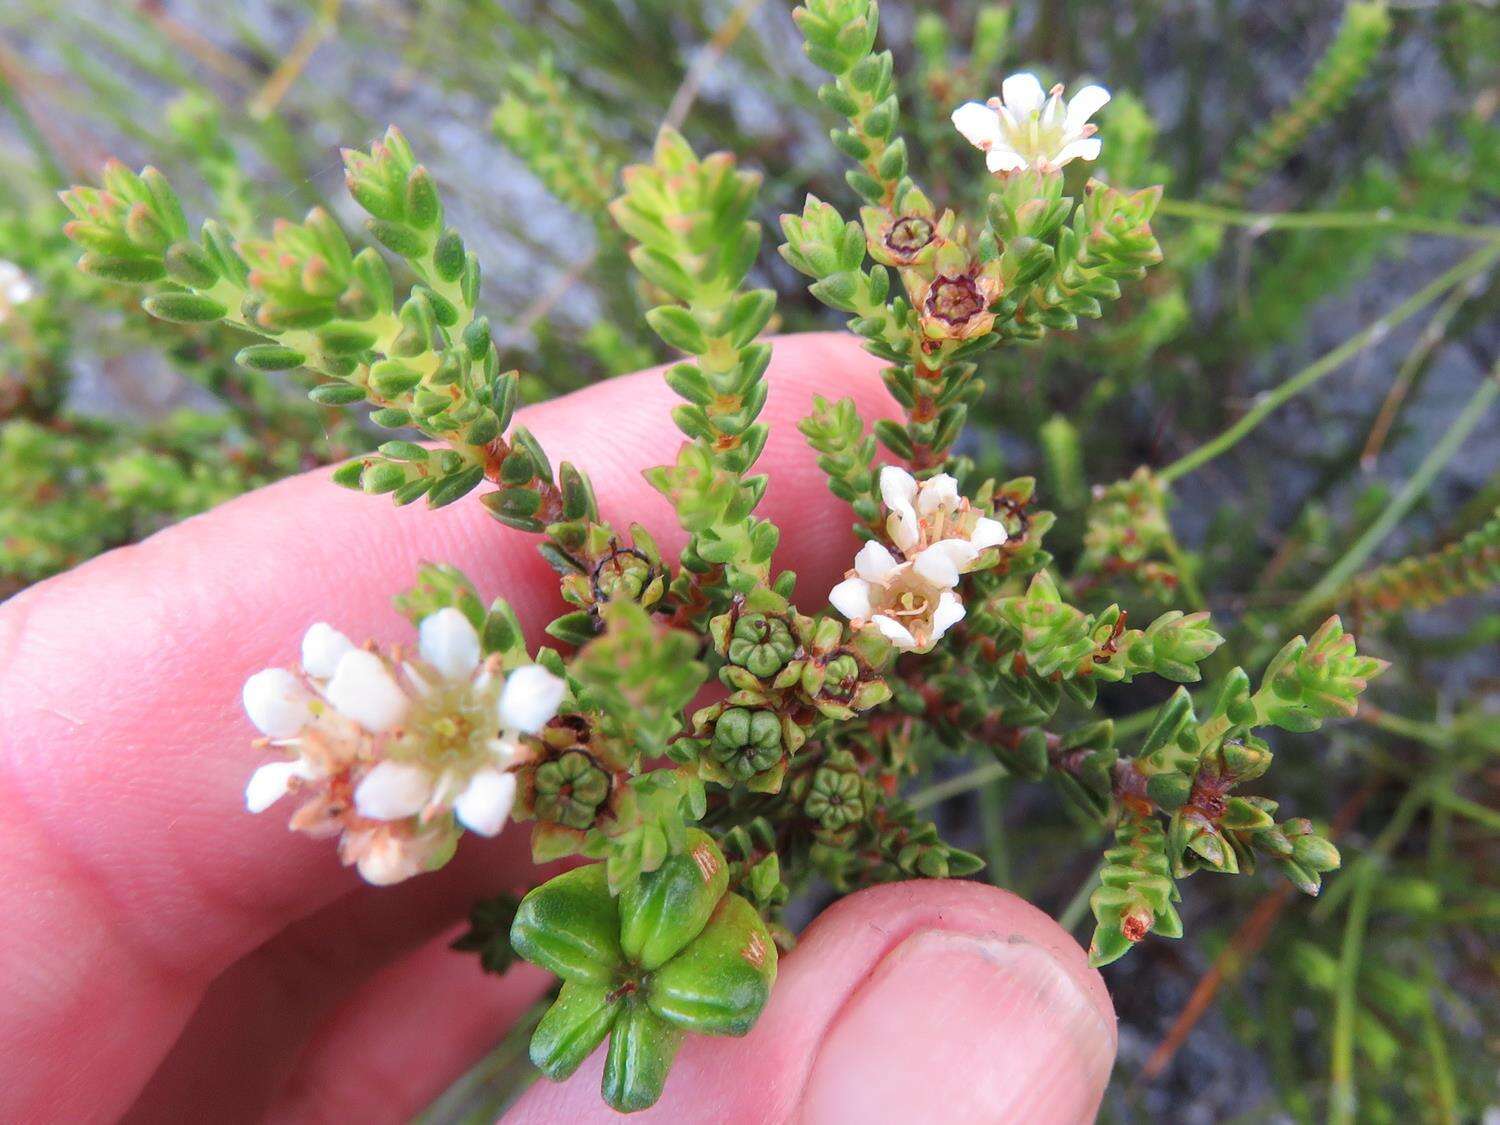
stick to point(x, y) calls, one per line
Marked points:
point(954, 1026)
point(901, 909)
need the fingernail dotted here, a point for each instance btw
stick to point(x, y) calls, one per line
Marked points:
point(957, 1027)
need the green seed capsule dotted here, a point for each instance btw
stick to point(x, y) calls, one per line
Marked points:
point(570, 926)
point(575, 1024)
point(720, 982)
point(641, 1051)
point(668, 907)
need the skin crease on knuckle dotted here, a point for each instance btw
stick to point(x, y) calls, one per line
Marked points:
point(164, 882)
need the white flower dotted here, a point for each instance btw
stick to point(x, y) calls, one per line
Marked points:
point(912, 603)
point(913, 600)
point(396, 753)
point(15, 288)
point(933, 511)
point(1026, 128)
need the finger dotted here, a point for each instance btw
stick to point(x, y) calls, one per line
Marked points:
point(125, 753)
point(404, 1038)
point(259, 1019)
point(926, 1001)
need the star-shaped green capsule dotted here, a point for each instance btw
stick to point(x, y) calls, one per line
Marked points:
point(673, 953)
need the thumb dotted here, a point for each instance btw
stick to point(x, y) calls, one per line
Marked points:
point(925, 1001)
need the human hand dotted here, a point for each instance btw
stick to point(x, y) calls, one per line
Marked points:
point(166, 956)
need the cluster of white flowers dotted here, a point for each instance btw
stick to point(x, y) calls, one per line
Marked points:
point(395, 754)
point(1028, 128)
point(913, 600)
point(15, 288)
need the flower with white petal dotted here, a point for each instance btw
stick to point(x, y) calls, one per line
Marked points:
point(912, 603)
point(1027, 128)
point(913, 600)
point(395, 754)
point(932, 511)
point(15, 288)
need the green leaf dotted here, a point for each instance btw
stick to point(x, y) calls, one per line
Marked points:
point(270, 357)
point(424, 210)
point(677, 328)
point(398, 238)
point(132, 271)
point(337, 394)
point(184, 308)
point(577, 628)
point(454, 487)
point(191, 265)
point(344, 338)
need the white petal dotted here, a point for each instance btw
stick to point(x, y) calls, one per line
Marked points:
point(979, 124)
point(278, 703)
point(874, 563)
point(851, 597)
point(949, 612)
point(960, 552)
point(486, 800)
point(1078, 150)
point(323, 647)
point(19, 291)
point(1023, 94)
point(1083, 105)
point(898, 489)
point(1053, 111)
point(530, 698)
point(387, 861)
point(393, 791)
point(945, 560)
point(988, 533)
point(449, 643)
point(904, 529)
point(897, 486)
point(939, 493)
point(268, 785)
point(936, 567)
point(895, 632)
point(363, 689)
point(1001, 159)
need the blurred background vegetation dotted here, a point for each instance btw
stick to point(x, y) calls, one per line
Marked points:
point(1330, 229)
